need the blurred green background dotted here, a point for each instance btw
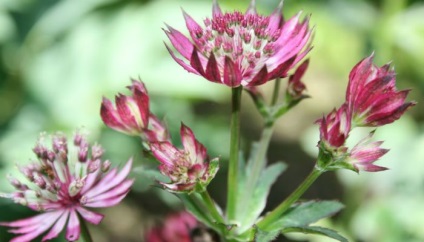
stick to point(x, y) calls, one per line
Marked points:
point(58, 58)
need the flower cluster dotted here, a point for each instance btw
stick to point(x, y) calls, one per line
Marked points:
point(372, 100)
point(241, 49)
point(62, 182)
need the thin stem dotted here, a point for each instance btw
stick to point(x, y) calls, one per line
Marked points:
point(278, 211)
point(276, 91)
point(85, 234)
point(210, 204)
point(234, 154)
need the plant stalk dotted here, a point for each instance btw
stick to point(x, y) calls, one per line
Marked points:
point(278, 211)
point(210, 204)
point(234, 154)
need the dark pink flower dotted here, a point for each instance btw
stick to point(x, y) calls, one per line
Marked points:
point(372, 97)
point(365, 153)
point(188, 168)
point(132, 114)
point(63, 184)
point(241, 49)
point(335, 127)
point(176, 228)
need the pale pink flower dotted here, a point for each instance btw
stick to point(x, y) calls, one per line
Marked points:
point(62, 184)
point(189, 168)
point(241, 49)
point(372, 97)
point(132, 114)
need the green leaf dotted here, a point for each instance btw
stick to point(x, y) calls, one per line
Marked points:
point(265, 236)
point(257, 200)
point(316, 230)
point(303, 214)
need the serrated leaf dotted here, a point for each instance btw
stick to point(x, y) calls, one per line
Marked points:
point(316, 230)
point(303, 214)
point(265, 236)
point(257, 200)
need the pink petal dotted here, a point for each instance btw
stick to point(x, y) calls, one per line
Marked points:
point(164, 152)
point(196, 63)
point(109, 116)
point(90, 216)
point(142, 100)
point(260, 78)
point(192, 26)
point(124, 111)
point(216, 10)
point(232, 75)
point(109, 181)
point(106, 203)
point(73, 229)
point(275, 18)
point(58, 227)
point(212, 71)
point(181, 62)
point(181, 43)
point(116, 191)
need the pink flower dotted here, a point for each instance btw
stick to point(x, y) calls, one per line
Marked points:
point(365, 153)
point(241, 49)
point(372, 97)
point(188, 168)
point(176, 228)
point(63, 184)
point(132, 114)
point(335, 127)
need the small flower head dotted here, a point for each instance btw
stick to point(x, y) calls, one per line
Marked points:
point(335, 128)
point(241, 49)
point(188, 168)
point(131, 115)
point(61, 184)
point(372, 96)
point(365, 153)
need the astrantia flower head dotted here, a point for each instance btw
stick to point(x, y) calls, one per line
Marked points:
point(61, 183)
point(241, 49)
point(189, 168)
point(372, 97)
point(132, 114)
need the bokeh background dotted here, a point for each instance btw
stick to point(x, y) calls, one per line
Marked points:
point(58, 58)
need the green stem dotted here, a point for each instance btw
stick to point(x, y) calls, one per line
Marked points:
point(85, 234)
point(234, 154)
point(275, 93)
point(278, 211)
point(210, 204)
